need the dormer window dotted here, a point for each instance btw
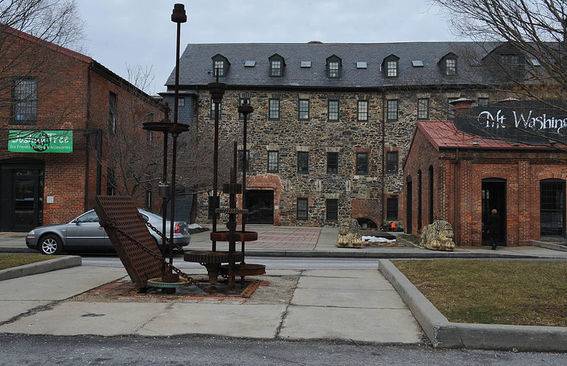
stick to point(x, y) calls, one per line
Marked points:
point(220, 65)
point(390, 66)
point(334, 66)
point(448, 64)
point(510, 61)
point(276, 65)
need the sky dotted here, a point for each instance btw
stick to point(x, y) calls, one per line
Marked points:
point(130, 34)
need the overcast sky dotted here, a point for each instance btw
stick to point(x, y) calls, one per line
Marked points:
point(131, 33)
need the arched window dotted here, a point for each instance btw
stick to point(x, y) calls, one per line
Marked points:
point(390, 66)
point(277, 65)
point(334, 67)
point(220, 65)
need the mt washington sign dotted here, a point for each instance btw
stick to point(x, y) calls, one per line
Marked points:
point(526, 122)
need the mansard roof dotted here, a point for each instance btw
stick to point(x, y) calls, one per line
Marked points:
point(196, 66)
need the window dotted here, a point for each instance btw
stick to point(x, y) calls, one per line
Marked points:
point(110, 182)
point(362, 110)
point(392, 162)
point(273, 161)
point(276, 68)
point(431, 193)
point(482, 102)
point(212, 111)
point(302, 209)
point(362, 163)
point(148, 203)
point(332, 163)
point(219, 68)
point(450, 110)
point(423, 108)
point(25, 101)
point(149, 137)
point(274, 109)
point(181, 102)
point(332, 209)
point(112, 112)
point(392, 68)
point(510, 61)
point(241, 159)
point(304, 109)
point(419, 200)
point(302, 162)
point(90, 216)
point(392, 110)
point(451, 67)
point(334, 67)
point(392, 208)
point(241, 102)
point(333, 110)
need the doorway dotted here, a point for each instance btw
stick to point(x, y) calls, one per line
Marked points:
point(494, 197)
point(552, 207)
point(260, 205)
point(409, 206)
point(21, 195)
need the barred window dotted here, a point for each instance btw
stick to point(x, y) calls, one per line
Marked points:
point(332, 162)
point(276, 68)
point(362, 163)
point(219, 68)
point(362, 110)
point(423, 108)
point(451, 67)
point(332, 209)
point(334, 69)
point(302, 209)
point(482, 102)
point(274, 109)
point(302, 162)
point(241, 102)
point(392, 208)
point(273, 161)
point(392, 68)
point(392, 162)
point(212, 110)
point(333, 110)
point(25, 101)
point(303, 109)
point(392, 110)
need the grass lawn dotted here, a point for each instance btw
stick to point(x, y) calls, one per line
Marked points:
point(493, 292)
point(8, 260)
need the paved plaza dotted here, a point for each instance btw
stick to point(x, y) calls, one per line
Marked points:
point(354, 305)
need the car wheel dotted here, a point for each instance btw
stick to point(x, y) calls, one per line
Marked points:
point(50, 244)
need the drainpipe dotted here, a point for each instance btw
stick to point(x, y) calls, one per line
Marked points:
point(87, 144)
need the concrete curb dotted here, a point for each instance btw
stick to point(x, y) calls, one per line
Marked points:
point(364, 254)
point(17, 250)
point(40, 267)
point(552, 246)
point(445, 334)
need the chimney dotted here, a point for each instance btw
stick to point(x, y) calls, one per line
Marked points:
point(461, 105)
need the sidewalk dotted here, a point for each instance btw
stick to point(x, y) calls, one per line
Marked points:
point(349, 305)
point(295, 241)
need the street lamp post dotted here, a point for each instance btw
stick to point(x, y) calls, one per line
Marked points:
point(245, 109)
point(217, 92)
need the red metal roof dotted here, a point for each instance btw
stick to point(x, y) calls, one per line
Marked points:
point(444, 134)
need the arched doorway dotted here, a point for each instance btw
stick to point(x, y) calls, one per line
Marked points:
point(552, 207)
point(409, 206)
point(494, 198)
point(21, 194)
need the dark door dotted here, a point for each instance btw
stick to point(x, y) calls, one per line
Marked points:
point(494, 198)
point(552, 207)
point(260, 205)
point(409, 206)
point(21, 192)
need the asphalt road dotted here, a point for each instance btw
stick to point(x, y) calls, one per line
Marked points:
point(43, 350)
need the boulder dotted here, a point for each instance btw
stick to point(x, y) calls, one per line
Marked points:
point(438, 236)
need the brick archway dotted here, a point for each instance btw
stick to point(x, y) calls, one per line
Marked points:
point(268, 182)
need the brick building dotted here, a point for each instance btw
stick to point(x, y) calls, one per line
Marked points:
point(460, 177)
point(332, 122)
point(59, 110)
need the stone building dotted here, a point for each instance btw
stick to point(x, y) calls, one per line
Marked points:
point(332, 122)
point(59, 113)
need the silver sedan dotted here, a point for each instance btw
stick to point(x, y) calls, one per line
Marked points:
point(86, 235)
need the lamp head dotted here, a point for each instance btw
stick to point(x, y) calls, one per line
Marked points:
point(179, 15)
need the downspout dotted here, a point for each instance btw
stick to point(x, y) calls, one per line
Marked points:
point(382, 216)
point(87, 144)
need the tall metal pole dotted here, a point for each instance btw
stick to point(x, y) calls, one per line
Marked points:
point(245, 109)
point(179, 16)
point(217, 91)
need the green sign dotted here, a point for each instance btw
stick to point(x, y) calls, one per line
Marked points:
point(40, 141)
